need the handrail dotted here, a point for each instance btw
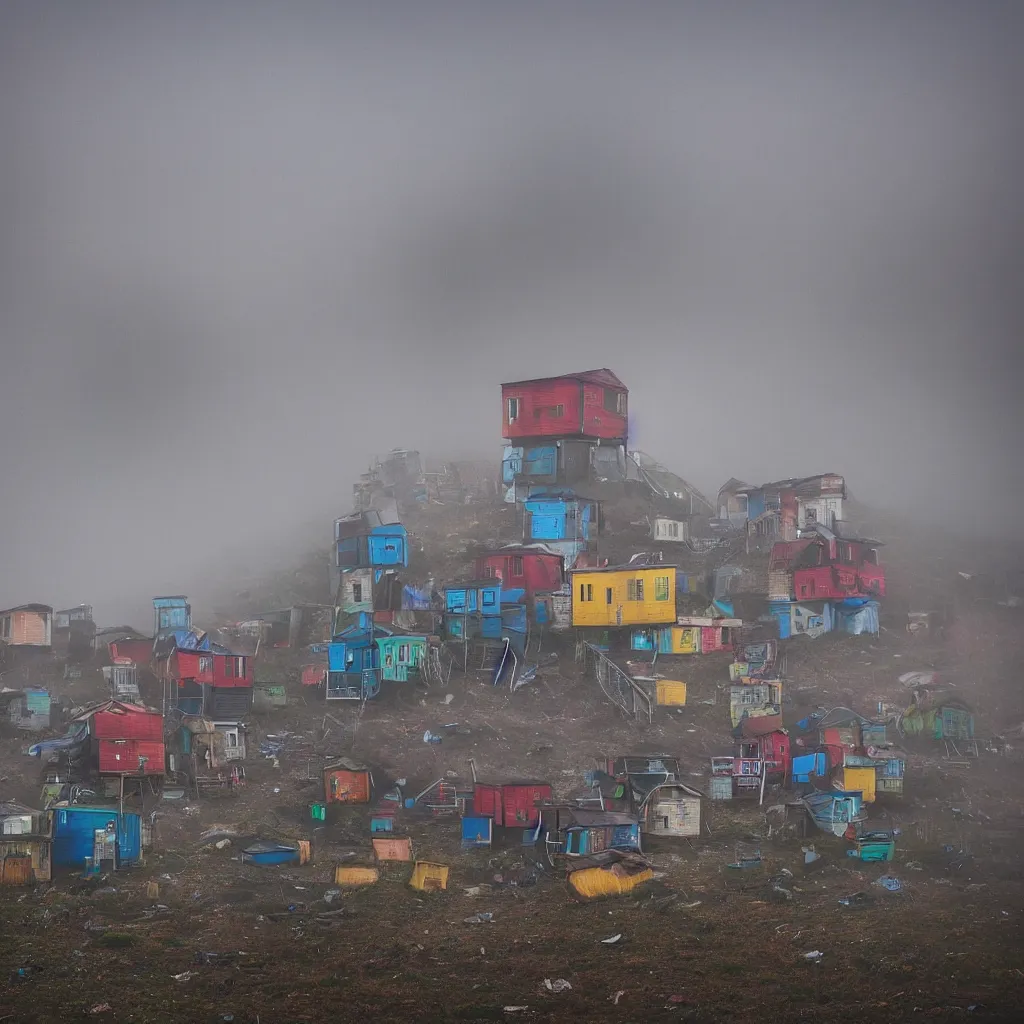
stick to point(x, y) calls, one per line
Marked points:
point(630, 698)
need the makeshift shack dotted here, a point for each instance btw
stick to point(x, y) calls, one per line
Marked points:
point(347, 782)
point(671, 809)
point(26, 839)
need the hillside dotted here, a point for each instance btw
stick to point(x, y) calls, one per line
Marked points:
point(946, 942)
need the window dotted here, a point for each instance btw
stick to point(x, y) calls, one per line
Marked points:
point(403, 654)
point(234, 668)
point(517, 566)
point(205, 664)
point(357, 592)
point(513, 409)
point(487, 598)
point(558, 411)
point(635, 590)
point(662, 590)
point(586, 592)
point(489, 573)
point(5, 627)
point(749, 750)
point(608, 595)
point(811, 514)
point(615, 401)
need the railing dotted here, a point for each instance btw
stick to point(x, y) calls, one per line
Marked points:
point(616, 684)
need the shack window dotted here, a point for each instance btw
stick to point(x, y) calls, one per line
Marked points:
point(357, 592)
point(608, 595)
point(517, 566)
point(811, 514)
point(635, 590)
point(615, 401)
point(748, 750)
point(5, 627)
point(586, 592)
point(558, 411)
point(234, 668)
point(206, 664)
point(662, 590)
point(513, 409)
point(403, 654)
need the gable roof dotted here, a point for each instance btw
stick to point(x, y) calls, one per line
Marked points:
point(117, 707)
point(734, 485)
point(604, 377)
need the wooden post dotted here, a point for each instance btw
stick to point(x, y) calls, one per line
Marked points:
point(764, 775)
point(121, 799)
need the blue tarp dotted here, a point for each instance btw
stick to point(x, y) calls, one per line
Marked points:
point(414, 599)
point(72, 739)
point(807, 765)
point(856, 616)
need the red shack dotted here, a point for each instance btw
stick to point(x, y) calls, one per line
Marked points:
point(827, 568)
point(210, 667)
point(590, 405)
point(536, 572)
point(510, 804)
point(128, 739)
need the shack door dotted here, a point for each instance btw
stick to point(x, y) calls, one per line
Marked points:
point(487, 802)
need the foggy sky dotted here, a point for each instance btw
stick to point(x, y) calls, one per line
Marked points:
point(245, 246)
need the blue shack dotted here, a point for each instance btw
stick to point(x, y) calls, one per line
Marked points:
point(593, 831)
point(364, 539)
point(171, 614)
point(353, 661)
point(473, 609)
point(563, 522)
point(101, 833)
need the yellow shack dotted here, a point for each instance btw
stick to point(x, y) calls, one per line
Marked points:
point(631, 595)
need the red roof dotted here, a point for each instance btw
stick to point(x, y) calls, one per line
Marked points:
point(603, 377)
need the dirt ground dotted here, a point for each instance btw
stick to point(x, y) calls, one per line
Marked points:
point(222, 940)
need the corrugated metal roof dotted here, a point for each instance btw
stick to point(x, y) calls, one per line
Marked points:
point(603, 376)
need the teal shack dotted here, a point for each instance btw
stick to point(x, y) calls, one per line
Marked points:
point(402, 657)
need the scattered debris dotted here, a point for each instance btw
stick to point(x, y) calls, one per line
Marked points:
point(558, 985)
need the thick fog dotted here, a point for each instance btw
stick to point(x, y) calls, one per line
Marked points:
point(243, 247)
